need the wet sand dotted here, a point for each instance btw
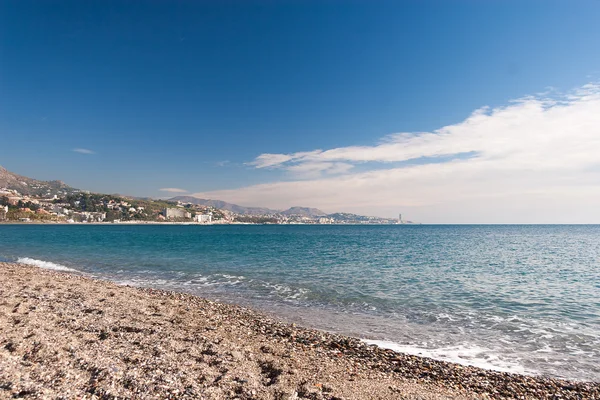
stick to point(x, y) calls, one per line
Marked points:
point(65, 336)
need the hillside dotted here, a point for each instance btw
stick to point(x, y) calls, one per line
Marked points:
point(82, 206)
point(304, 212)
point(30, 186)
point(223, 205)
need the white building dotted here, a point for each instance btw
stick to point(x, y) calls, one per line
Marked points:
point(3, 212)
point(59, 210)
point(86, 216)
point(203, 218)
point(171, 213)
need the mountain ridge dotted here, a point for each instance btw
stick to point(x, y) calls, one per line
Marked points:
point(30, 186)
point(304, 211)
point(223, 205)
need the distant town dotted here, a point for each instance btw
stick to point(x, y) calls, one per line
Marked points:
point(28, 200)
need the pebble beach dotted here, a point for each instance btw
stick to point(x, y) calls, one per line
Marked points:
point(65, 336)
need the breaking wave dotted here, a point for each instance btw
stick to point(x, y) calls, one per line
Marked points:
point(475, 356)
point(45, 264)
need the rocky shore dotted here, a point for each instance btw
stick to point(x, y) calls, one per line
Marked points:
point(65, 336)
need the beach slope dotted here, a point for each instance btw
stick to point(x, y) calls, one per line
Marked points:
point(67, 336)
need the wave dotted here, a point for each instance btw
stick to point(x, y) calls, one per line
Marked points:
point(45, 264)
point(214, 282)
point(461, 354)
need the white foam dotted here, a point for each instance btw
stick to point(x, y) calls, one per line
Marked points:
point(233, 276)
point(466, 355)
point(44, 264)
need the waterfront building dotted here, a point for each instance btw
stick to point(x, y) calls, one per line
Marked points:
point(203, 218)
point(172, 213)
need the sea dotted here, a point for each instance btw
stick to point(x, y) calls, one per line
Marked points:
point(516, 298)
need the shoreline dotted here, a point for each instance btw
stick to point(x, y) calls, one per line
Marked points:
point(128, 342)
point(190, 223)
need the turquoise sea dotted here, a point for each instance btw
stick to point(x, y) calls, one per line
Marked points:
point(513, 298)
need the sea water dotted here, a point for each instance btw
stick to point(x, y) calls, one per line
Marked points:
point(523, 299)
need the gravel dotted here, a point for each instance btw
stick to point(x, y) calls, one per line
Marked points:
point(66, 336)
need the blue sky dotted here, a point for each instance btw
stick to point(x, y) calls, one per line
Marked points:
point(190, 94)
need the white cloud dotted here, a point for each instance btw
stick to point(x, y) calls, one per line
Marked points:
point(269, 160)
point(173, 190)
point(534, 160)
point(84, 151)
point(316, 169)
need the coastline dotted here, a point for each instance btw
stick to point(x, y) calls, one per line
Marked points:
point(65, 334)
point(217, 223)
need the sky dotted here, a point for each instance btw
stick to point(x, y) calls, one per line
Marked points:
point(444, 111)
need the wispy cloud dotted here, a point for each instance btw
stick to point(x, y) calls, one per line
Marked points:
point(533, 160)
point(84, 151)
point(513, 132)
point(173, 190)
point(315, 169)
point(272, 160)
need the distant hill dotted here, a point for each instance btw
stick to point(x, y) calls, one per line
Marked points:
point(223, 205)
point(34, 187)
point(340, 216)
point(304, 212)
point(29, 186)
